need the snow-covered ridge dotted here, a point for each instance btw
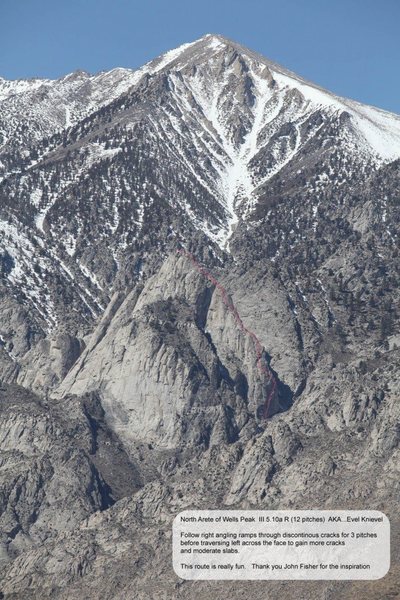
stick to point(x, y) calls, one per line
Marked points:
point(379, 128)
point(19, 86)
point(376, 133)
point(374, 136)
point(224, 129)
point(207, 78)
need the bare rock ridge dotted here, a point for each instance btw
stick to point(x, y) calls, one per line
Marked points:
point(135, 378)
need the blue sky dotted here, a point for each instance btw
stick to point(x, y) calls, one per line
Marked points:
point(351, 47)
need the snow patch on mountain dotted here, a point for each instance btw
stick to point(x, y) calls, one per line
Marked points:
point(379, 129)
point(15, 87)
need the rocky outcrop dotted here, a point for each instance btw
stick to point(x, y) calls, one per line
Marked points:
point(171, 355)
point(46, 365)
point(57, 467)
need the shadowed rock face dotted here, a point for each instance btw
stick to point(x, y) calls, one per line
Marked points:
point(199, 295)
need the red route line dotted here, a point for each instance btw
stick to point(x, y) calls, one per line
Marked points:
point(264, 370)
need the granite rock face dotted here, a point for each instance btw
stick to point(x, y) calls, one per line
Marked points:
point(57, 462)
point(173, 354)
point(199, 291)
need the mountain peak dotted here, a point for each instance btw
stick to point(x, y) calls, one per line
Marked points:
point(217, 39)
